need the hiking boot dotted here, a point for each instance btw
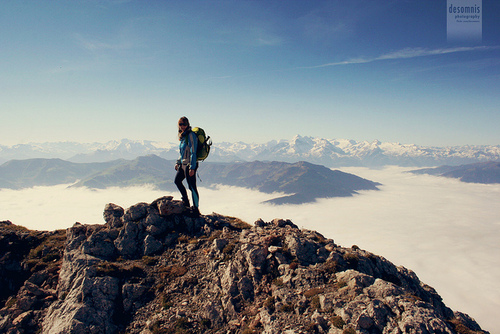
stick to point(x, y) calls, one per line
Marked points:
point(195, 211)
point(185, 201)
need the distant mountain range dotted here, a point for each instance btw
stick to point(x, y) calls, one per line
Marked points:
point(485, 172)
point(327, 152)
point(299, 182)
point(17, 174)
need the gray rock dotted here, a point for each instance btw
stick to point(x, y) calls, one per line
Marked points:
point(219, 244)
point(100, 244)
point(320, 320)
point(364, 321)
point(260, 223)
point(246, 288)
point(255, 256)
point(132, 294)
point(304, 249)
point(113, 215)
point(283, 223)
point(151, 245)
point(129, 243)
point(167, 206)
point(87, 303)
point(136, 212)
point(156, 225)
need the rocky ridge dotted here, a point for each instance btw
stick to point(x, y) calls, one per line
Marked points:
point(155, 268)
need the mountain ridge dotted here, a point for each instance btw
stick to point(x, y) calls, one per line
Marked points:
point(154, 268)
point(17, 174)
point(483, 172)
point(328, 152)
point(301, 182)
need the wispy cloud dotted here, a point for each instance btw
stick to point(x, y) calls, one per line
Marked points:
point(268, 40)
point(99, 45)
point(407, 53)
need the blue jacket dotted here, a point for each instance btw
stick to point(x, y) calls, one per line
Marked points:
point(188, 147)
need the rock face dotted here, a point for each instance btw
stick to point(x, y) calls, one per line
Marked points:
point(29, 267)
point(154, 268)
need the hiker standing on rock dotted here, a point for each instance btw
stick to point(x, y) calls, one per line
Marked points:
point(187, 164)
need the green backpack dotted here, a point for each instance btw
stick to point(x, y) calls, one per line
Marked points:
point(204, 143)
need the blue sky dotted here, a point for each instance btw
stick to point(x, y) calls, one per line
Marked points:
point(246, 70)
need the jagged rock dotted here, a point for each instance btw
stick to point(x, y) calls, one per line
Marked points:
point(86, 301)
point(255, 257)
point(167, 207)
point(467, 321)
point(321, 322)
point(156, 225)
point(152, 268)
point(132, 294)
point(29, 264)
point(151, 245)
point(219, 244)
point(303, 249)
point(129, 243)
point(100, 244)
point(113, 215)
point(260, 223)
point(136, 212)
point(283, 223)
point(246, 288)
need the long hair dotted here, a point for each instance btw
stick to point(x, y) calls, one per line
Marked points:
point(184, 120)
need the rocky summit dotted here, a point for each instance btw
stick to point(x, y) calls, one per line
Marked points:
point(156, 268)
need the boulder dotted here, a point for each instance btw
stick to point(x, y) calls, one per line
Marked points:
point(113, 215)
point(167, 206)
point(129, 243)
point(136, 212)
point(151, 245)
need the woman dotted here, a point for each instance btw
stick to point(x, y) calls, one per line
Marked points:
point(187, 164)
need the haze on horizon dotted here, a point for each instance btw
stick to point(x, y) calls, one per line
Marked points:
point(444, 230)
point(94, 71)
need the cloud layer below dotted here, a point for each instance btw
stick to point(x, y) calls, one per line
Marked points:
point(444, 230)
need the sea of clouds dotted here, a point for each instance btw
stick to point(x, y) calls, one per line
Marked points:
point(445, 230)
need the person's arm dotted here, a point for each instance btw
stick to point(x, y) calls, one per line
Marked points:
point(193, 141)
point(179, 160)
